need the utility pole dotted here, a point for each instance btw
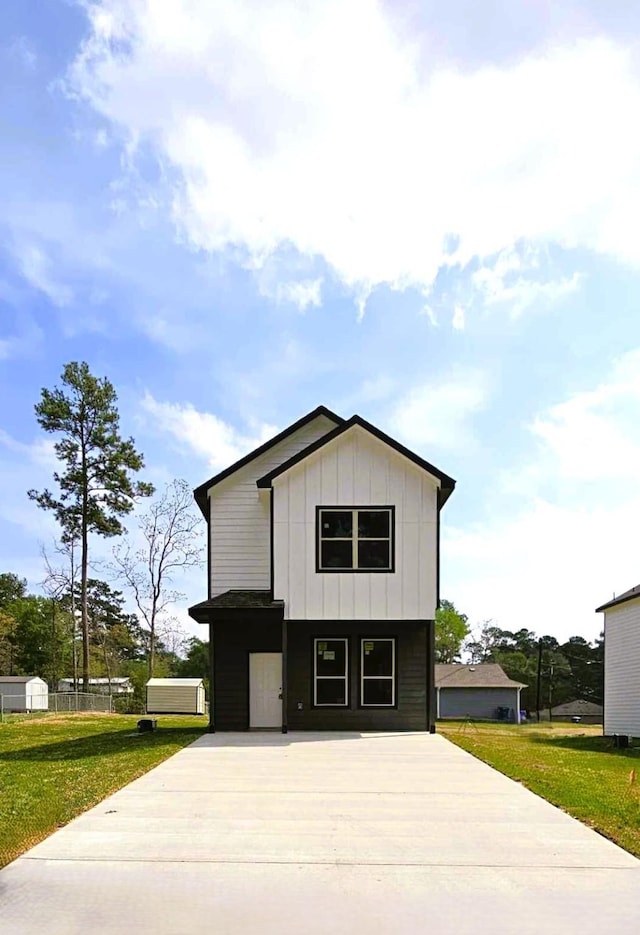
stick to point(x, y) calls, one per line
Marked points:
point(539, 682)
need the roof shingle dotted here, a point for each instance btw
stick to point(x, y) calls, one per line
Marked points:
point(479, 675)
point(621, 598)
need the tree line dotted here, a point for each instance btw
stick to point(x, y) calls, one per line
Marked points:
point(38, 636)
point(80, 624)
point(563, 671)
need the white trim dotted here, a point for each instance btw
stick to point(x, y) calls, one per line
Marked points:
point(355, 538)
point(317, 678)
point(379, 678)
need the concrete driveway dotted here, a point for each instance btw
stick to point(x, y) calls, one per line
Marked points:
point(322, 833)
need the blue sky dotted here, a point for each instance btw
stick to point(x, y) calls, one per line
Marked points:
point(237, 212)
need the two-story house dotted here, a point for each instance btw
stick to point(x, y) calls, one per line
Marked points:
point(323, 575)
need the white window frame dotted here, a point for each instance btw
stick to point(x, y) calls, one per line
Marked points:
point(317, 678)
point(390, 678)
point(355, 538)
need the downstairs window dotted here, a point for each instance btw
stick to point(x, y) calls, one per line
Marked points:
point(378, 673)
point(330, 672)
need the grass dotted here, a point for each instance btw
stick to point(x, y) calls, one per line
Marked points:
point(56, 767)
point(572, 766)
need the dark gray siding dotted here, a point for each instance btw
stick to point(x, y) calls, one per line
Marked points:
point(232, 643)
point(411, 661)
point(476, 702)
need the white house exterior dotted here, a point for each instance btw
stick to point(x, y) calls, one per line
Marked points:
point(622, 664)
point(118, 685)
point(323, 580)
point(239, 527)
point(24, 693)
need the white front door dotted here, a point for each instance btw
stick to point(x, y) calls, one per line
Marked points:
point(265, 689)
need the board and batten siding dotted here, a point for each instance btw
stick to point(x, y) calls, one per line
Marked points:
point(356, 469)
point(239, 516)
point(412, 658)
point(622, 669)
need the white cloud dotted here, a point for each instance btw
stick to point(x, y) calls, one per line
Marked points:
point(546, 561)
point(595, 434)
point(457, 322)
point(301, 293)
point(323, 129)
point(509, 280)
point(22, 49)
point(438, 413)
point(210, 437)
point(41, 452)
point(37, 269)
point(545, 568)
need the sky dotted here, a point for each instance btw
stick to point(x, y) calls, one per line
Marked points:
point(424, 213)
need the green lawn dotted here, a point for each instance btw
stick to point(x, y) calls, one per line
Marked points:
point(573, 766)
point(54, 768)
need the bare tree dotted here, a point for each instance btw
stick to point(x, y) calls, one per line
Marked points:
point(171, 542)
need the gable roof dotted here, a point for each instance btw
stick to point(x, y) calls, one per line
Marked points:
point(621, 598)
point(20, 679)
point(480, 675)
point(447, 482)
point(200, 493)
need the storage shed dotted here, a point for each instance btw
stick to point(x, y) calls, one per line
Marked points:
point(24, 693)
point(482, 690)
point(175, 696)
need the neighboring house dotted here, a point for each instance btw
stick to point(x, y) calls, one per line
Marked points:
point(175, 696)
point(587, 711)
point(24, 693)
point(323, 581)
point(482, 690)
point(119, 685)
point(622, 664)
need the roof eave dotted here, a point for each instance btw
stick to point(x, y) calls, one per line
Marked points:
point(200, 493)
point(447, 484)
point(618, 600)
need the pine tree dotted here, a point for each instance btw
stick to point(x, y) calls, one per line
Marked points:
point(96, 487)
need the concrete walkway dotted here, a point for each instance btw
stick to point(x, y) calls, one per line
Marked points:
point(322, 833)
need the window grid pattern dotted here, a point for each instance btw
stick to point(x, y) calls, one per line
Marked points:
point(349, 527)
point(331, 674)
point(378, 672)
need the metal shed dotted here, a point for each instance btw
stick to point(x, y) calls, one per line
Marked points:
point(24, 693)
point(175, 696)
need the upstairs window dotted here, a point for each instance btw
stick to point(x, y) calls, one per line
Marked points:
point(355, 538)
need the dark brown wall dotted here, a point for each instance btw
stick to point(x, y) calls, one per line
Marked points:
point(411, 649)
point(232, 642)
